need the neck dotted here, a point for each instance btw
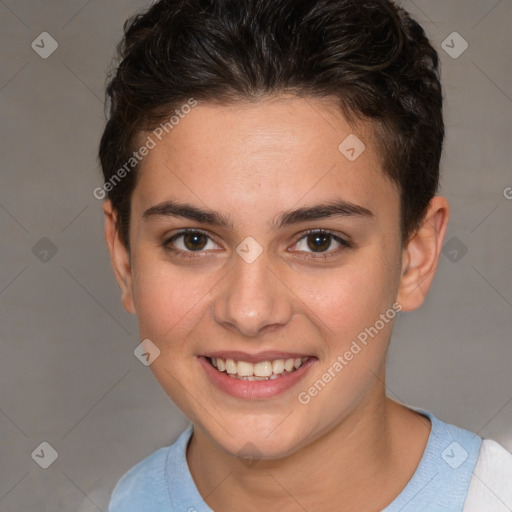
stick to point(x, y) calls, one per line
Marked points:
point(377, 446)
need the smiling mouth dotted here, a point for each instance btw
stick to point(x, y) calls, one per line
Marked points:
point(263, 370)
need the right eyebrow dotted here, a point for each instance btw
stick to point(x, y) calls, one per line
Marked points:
point(188, 211)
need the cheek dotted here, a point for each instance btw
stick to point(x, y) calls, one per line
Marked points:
point(351, 297)
point(168, 300)
point(169, 304)
point(353, 309)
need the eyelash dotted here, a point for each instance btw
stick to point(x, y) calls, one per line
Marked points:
point(191, 255)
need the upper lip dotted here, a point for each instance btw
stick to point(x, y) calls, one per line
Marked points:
point(255, 357)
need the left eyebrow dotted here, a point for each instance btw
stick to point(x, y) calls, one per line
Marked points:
point(339, 208)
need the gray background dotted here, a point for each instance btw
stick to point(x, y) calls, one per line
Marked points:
point(68, 375)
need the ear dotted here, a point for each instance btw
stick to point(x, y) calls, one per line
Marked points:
point(119, 256)
point(421, 255)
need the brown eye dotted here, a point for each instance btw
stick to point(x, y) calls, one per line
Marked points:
point(194, 241)
point(189, 241)
point(319, 241)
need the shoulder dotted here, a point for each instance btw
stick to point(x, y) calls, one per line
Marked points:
point(146, 485)
point(142, 484)
point(491, 484)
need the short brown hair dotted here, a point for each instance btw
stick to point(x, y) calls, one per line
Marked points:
point(369, 55)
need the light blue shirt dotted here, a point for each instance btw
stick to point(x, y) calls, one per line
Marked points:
point(162, 482)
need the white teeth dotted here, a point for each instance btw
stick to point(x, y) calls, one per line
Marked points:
point(278, 366)
point(289, 364)
point(230, 366)
point(264, 370)
point(245, 369)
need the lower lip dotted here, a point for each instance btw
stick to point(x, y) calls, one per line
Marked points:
point(254, 389)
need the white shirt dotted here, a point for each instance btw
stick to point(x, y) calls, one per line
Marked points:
point(490, 489)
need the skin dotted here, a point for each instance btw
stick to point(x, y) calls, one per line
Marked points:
point(252, 162)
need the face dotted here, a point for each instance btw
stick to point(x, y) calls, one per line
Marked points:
point(256, 241)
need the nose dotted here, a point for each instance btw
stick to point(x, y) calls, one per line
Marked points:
point(253, 299)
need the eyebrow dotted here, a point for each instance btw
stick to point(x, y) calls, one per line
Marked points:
point(338, 208)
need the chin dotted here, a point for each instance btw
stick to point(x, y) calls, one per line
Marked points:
point(257, 441)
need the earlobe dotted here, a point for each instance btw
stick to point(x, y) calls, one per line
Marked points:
point(421, 255)
point(119, 257)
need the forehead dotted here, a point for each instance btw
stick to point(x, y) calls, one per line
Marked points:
point(263, 157)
